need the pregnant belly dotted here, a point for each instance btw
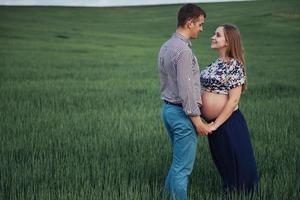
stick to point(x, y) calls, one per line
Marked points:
point(212, 104)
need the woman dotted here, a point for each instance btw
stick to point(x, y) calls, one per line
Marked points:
point(223, 82)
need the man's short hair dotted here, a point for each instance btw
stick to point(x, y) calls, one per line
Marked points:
point(187, 12)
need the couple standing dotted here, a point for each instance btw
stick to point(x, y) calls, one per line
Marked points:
point(212, 94)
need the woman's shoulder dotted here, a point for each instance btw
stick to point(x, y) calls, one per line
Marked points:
point(217, 63)
point(227, 65)
point(229, 62)
point(235, 64)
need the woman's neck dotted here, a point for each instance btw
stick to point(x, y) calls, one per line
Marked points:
point(223, 56)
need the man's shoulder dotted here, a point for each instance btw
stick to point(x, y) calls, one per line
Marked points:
point(176, 45)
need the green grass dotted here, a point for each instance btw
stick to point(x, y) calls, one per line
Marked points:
point(80, 107)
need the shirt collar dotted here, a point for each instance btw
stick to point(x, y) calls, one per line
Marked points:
point(178, 35)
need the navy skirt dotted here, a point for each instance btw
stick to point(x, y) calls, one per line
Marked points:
point(233, 155)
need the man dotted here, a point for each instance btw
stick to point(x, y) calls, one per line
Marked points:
point(181, 92)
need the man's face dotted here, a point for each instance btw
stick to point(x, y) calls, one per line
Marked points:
point(196, 26)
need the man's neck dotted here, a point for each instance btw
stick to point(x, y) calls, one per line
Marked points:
point(183, 32)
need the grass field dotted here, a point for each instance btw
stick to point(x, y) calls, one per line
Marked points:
point(80, 107)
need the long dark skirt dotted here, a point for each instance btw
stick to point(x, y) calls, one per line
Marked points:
point(233, 155)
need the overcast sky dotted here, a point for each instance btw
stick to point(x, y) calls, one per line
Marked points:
point(100, 3)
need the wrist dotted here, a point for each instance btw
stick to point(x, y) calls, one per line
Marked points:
point(216, 125)
point(197, 121)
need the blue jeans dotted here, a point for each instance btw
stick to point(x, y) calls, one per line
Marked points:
point(183, 139)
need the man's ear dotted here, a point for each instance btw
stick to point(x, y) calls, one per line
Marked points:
point(189, 23)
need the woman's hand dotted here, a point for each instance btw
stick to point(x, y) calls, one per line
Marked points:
point(201, 128)
point(212, 127)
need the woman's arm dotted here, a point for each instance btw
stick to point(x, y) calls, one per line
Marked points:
point(233, 101)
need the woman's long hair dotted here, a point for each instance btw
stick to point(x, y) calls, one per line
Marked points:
point(235, 47)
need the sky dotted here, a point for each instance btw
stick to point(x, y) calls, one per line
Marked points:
point(100, 3)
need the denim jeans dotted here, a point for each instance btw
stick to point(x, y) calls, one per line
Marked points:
point(183, 139)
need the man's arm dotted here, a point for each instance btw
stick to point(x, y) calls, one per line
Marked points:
point(185, 81)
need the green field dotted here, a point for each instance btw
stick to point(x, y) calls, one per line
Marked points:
point(80, 106)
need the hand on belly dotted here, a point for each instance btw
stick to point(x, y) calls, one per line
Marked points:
point(212, 104)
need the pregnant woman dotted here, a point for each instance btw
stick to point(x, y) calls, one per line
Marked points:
point(223, 82)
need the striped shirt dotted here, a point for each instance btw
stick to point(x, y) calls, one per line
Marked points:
point(179, 74)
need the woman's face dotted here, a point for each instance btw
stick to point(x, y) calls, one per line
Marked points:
point(218, 40)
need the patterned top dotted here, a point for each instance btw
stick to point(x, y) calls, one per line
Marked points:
point(221, 76)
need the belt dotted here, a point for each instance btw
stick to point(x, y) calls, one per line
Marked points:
point(174, 104)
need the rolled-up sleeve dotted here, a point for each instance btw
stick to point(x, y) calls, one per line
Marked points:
point(185, 81)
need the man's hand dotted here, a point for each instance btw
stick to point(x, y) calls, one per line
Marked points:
point(201, 128)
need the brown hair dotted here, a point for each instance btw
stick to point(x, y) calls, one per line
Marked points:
point(235, 47)
point(187, 12)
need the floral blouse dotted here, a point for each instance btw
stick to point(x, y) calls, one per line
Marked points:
point(221, 76)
